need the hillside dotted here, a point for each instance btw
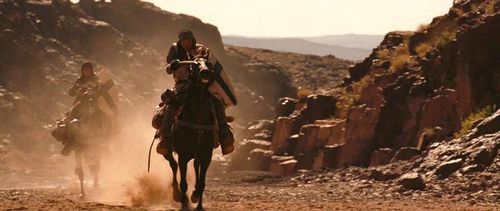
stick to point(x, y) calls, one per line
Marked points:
point(306, 72)
point(43, 45)
point(298, 45)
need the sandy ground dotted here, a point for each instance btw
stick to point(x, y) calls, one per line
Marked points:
point(246, 190)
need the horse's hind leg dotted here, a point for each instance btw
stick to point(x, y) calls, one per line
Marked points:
point(175, 185)
point(200, 186)
point(79, 171)
point(95, 169)
point(183, 168)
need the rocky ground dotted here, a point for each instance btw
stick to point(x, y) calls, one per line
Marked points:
point(252, 190)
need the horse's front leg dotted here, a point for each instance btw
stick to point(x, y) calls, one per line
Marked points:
point(183, 161)
point(176, 192)
point(195, 196)
point(79, 171)
point(200, 186)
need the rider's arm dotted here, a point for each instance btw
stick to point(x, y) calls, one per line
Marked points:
point(73, 91)
point(172, 55)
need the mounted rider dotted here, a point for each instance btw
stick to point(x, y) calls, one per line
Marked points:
point(187, 49)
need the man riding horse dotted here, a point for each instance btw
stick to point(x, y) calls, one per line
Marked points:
point(186, 49)
point(86, 125)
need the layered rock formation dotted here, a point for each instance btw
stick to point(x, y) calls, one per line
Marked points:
point(414, 90)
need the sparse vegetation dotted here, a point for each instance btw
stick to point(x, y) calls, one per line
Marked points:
point(303, 93)
point(384, 54)
point(400, 58)
point(445, 37)
point(468, 123)
point(422, 27)
point(423, 48)
point(490, 7)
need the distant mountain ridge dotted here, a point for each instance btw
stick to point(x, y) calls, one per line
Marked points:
point(365, 41)
point(349, 46)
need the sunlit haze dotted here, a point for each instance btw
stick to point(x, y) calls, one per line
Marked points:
point(290, 18)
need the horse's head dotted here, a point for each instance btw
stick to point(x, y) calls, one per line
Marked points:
point(202, 73)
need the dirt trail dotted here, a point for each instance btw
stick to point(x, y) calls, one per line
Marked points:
point(248, 191)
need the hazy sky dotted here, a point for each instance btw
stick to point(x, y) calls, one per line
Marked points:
point(288, 18)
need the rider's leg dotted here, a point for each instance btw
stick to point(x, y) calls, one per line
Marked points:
point(226, 136)
point(180, 96)
point(165, 143)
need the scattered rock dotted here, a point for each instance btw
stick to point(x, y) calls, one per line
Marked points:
point(447, 168)
point(406, 153)
point(283, 165)
point(412, 181)
point(381, 156)
point(383, 175)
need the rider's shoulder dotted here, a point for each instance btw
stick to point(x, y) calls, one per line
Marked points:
point(173, 46)
point(201, 46)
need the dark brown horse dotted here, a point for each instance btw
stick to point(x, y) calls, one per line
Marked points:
point(194, 135)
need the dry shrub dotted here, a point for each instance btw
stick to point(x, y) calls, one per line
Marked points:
point(468, 123)
point(423, 48)
point(383, 54)
point(422, 27)
point(400, 58)
point(490, 8)
point(304, 93)
point(443, 38)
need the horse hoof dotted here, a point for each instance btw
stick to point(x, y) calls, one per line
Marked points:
point(194, 197)
point(176, 195)
point(81, 196)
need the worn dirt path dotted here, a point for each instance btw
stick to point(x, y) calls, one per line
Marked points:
point(251, 191)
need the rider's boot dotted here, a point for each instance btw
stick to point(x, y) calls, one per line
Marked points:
point(226, 137)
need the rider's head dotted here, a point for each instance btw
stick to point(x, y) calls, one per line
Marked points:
point(87, 69)
point(186, 39)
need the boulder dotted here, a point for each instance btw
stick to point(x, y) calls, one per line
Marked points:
point(262, 136)
point(381, 156)
point(405, 153)
point(240, 157)
point(447, 168)
point(283, 165)
point(412, 181)
point(323, 135)
point(319, 160)
point(316, 107)
point(293, 142)
point(285, 106)
point(260, 125)
point(282, 132)
point(337, 133)
point(260, 159)
point(383, 175)
point(248, 145)
point(306, 159)
point(489, 125)
point(359, 133)
point(331, 154)
point(307, 143)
